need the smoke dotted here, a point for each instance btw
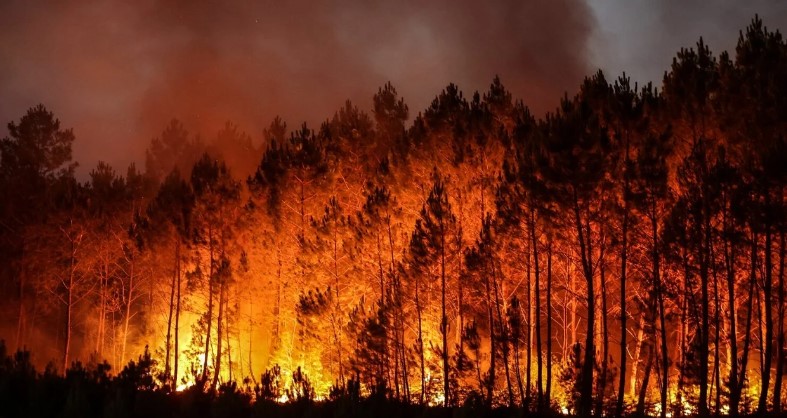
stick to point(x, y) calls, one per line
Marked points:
point(641, 37)
point(117, 71)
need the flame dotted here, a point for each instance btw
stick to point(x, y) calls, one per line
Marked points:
point(436, 399)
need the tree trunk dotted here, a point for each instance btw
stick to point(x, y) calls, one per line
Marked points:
point(768, 343)
point(227, 334)
point(209, 313)
point(623, 265)
point(492, 349)
point(704, 331)
point(537, 316)
point(251, 333)
point(605, 343)
point(337, 305)
point(529, 332)
point(664, 354)
point(548, 394)
point(420, 342)
point(573, 291)
point(729, 264)
point(747, 332)
point(662, 312)
point(168, 345)
point(637, 354)
point(504, 341)
point(129, 300)
point(717, 342)
point(219, 333)
point(586, 378)
point(69, 306)
point(444, 318)
point(102, 301)
point(518, 368)
point(777, 383)
point(177, 315)
point(684, 325)
point(643, 390)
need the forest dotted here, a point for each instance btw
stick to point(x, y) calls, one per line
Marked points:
point(623, 254)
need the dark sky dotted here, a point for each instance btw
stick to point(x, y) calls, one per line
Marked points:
point(116, 71)
point(642, 36)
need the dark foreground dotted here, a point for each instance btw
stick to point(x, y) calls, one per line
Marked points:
point(91, 391)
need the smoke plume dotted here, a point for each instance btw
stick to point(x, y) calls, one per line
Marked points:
point(117, 71)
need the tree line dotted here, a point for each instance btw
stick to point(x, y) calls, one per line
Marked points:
point(622, 254)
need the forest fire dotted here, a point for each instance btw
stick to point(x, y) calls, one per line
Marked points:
point(624, 254)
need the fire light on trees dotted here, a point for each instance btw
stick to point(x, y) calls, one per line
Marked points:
point(624, 253)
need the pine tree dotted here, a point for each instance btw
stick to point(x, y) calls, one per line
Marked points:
point(577, 145)
point(216, 195)
point(432, 248)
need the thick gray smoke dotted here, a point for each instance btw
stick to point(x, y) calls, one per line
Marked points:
point(117, 71)
point(641, 37)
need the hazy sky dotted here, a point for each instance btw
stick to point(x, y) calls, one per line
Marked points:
point(641, 37)
point(116, 71)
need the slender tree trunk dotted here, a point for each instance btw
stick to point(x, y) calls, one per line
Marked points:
point(717, 341)
point(572, 292)
point(105, 301)
point(529, 331)
point(749, 315)
point(337, 305)
point(643, 389)
point(504, 341)
point(209, 313)
point(761, 331)
point(381, 306)
point(684, 324)
point(777, 383)
point(602, 392)
point(586, 378)
point(177, 313)
point(129, 301)
point(403, 350)
point(762, 406)
point(518, 367)
point(477, 352)
point(501, 322)
point(219, 333)
point(729, 264)
point(664, 355)
point(101, 307)
point(444, 318)
point(704, 331)
point(657, 282)
point(168, 345)
point(275, 343)
point(420, 342)
point(227, 334)
point(492, 342)
point(623, 266)
point(537, 316)
point(548, 395)
point(251, 339)
point(69, 306)
point(637, 354)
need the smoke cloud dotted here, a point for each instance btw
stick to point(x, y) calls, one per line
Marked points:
point(641, 37)
point(117, 71)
